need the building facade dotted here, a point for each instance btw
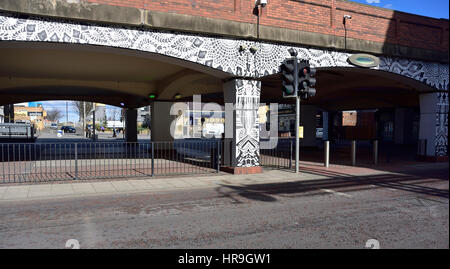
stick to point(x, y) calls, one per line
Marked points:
point(34, 115)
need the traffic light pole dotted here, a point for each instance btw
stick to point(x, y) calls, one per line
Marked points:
point(297, 117)
point(297, 134)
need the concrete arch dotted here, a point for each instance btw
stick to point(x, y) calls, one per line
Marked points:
point(40, 70)
point(350, 88)
point(338, 86)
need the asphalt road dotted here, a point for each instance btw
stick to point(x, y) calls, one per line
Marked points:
point(407, 214)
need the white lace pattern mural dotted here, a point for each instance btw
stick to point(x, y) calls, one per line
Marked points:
point(218, 53)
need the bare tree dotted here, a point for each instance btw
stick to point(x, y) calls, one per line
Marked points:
point(54, 115)
point(78, 106)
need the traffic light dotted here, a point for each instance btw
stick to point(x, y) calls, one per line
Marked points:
point(288, 74)
point(306, 80)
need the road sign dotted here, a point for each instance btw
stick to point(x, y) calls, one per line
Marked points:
point(300, 131)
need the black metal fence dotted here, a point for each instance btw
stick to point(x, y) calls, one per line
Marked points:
point(279, 157)
point(27, 162)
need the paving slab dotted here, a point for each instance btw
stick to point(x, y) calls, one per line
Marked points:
point(180, 183)
point(16, 192)
point(40, 190)
point(83, 188)
point(2, 191)
point(159, 183)
point(123, 186)
point(196, 182)
point(62, 189)
point(141, 184)
point(103, 187)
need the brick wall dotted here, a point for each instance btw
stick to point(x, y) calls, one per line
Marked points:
point(319, 16)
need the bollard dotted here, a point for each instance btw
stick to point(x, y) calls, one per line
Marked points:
point(353, 152)
point(375, 152)
point(326, 149)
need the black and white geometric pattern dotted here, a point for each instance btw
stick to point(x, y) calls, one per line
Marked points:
point(441, 141)
point(432, 74)
point(219, 53)
point(247, 122)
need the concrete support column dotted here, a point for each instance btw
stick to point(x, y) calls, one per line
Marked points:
point(241, 150)
point(161, 121)
point(308, 121)
point(403, 125)
point(8, 111)
point(433, 128)
point(131, 125)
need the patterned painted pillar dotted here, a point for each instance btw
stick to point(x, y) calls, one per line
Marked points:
point(441, 142)
point(242, 125)
point(433, 131)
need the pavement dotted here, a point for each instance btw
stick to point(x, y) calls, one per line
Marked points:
point(309, 172)
point(401, 206)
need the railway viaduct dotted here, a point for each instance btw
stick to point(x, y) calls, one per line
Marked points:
point(121, 52)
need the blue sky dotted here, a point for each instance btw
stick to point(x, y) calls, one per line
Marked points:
point(430, 8)
point(61, 106)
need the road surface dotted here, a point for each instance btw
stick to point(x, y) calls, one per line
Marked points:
point(401, 214)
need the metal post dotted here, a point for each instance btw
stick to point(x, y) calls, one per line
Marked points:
point(353, 149)
point(93, 122)
point(375, 152)
point(153, 157)
point(76, 161)
point(297, 117)
point(218, 156)
point(326, 148)
point(84, 119)
point(297, 139)
point(290, 155)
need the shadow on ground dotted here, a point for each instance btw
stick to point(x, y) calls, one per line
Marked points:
point(337, 181)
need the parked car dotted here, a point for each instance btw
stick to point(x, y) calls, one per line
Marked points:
point(68, 129)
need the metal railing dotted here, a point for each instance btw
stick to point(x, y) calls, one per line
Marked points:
point(26, 162)
point(280, 157)
point(17, 130)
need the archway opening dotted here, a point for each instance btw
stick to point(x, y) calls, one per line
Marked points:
point(358, 104)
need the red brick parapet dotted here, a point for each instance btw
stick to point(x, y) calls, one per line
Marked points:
point(318, 16)
point(242, 170)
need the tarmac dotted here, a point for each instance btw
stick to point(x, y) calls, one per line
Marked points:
point(308, 172)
